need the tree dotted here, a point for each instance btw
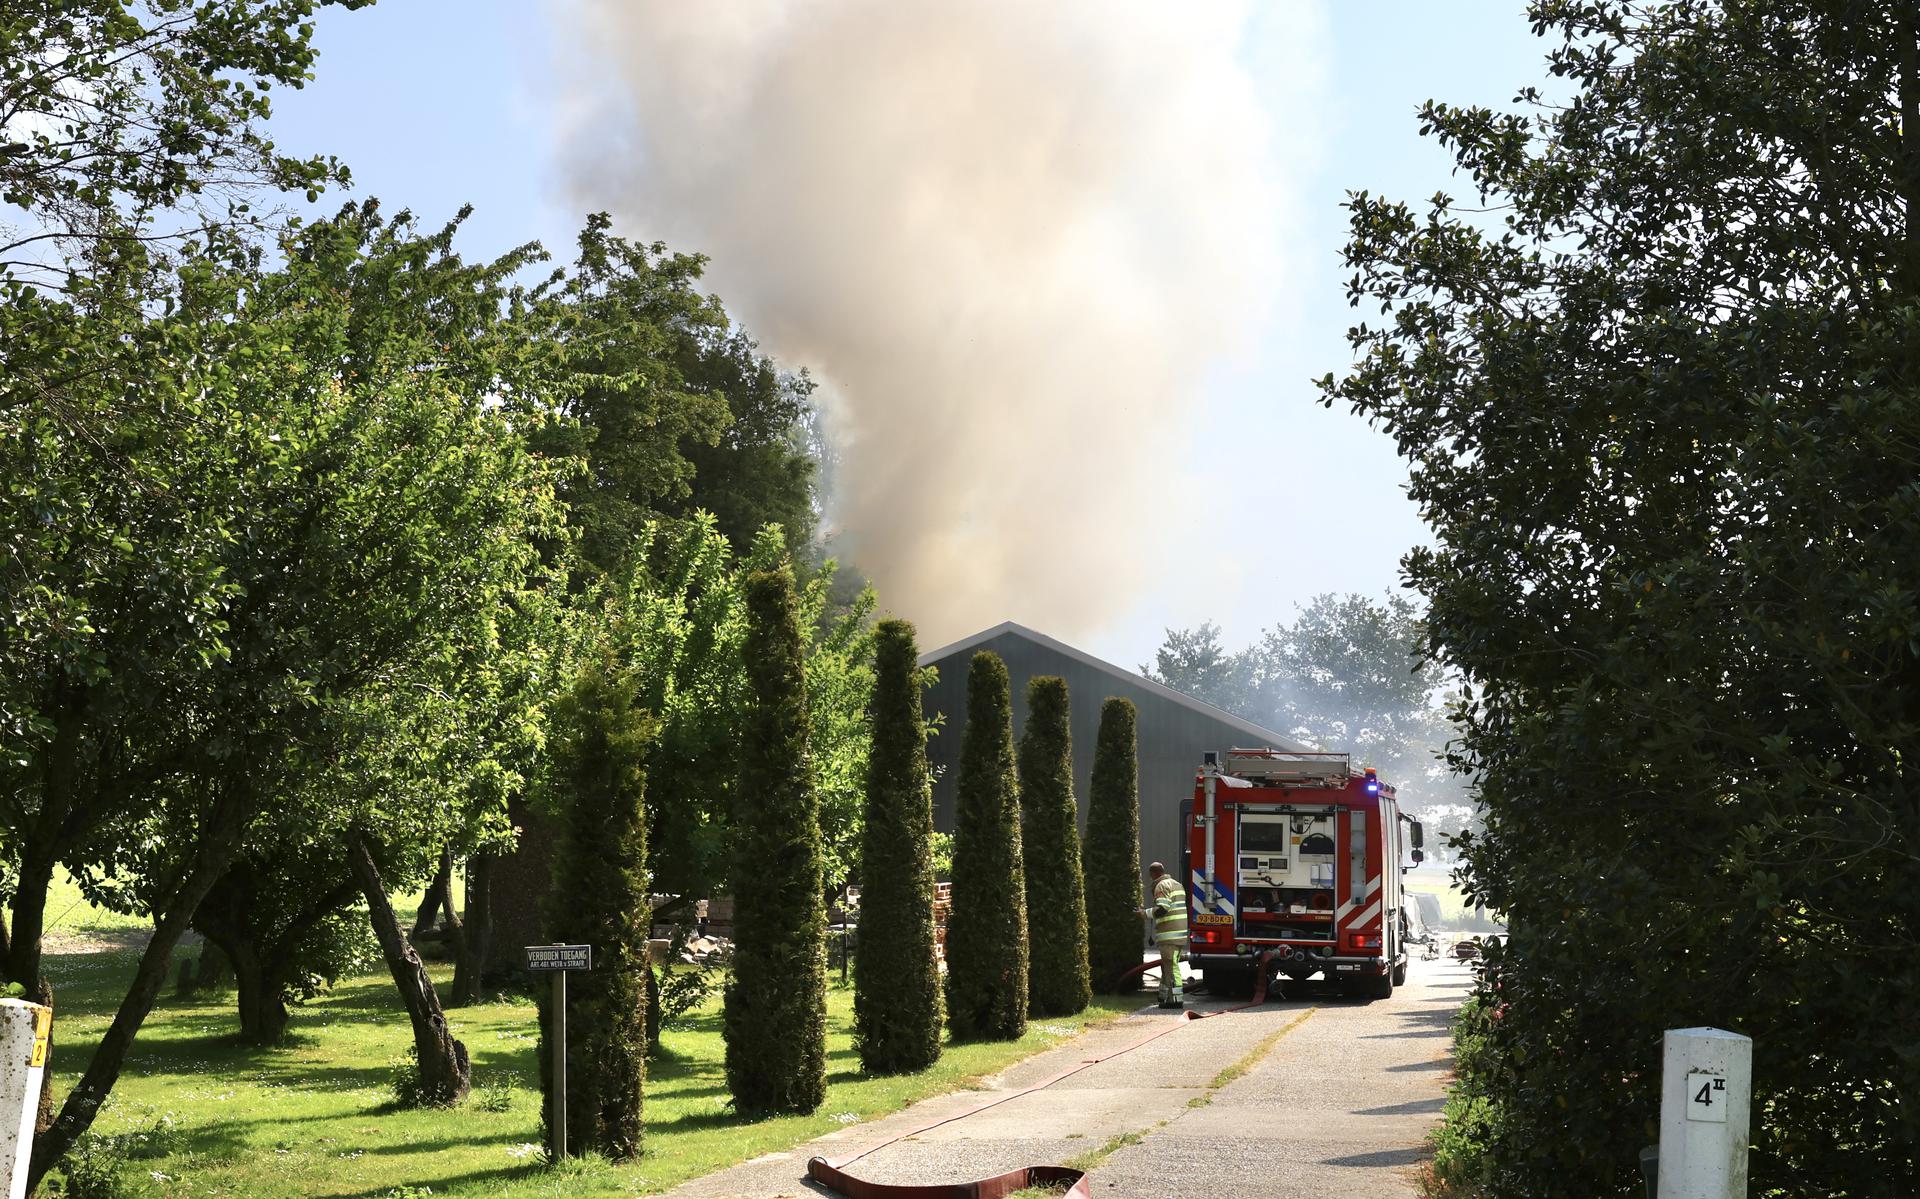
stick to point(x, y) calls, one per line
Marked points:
point(776, 1001)
point(987, 931)
point(601, 898)
point(282, 916)
point(240, 519)
point(760, 470)
point(1113, 848)
point(680, 605)
point(132, 132)
point(1056, 902)
point(1346, 674)
point(1194, 662)
point(628, 319)
point(1662, 411)
point(896, 1001)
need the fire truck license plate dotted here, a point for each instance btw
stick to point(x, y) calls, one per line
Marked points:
point(1212, 918)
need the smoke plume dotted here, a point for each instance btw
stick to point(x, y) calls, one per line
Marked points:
point(1012, 239)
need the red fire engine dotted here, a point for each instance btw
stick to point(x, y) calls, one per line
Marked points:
point(1299, 854)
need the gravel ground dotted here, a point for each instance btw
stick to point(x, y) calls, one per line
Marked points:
point(1337, 1105)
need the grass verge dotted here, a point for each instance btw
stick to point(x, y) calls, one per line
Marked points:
point(199, 1113)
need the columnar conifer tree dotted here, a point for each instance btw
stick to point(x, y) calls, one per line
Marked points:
point(897, 983)
point(600, 898)
point(776, 1005)
point(1114, 888)
point(1050, 842)
point(987, 932)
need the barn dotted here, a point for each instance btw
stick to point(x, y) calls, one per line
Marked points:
point(1174, 728)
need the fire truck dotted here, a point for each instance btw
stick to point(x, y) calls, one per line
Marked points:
point(1295, 856)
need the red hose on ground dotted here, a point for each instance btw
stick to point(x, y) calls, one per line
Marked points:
point(832, 1173)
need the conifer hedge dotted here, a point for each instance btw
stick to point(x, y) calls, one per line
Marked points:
point(599, 898)
point(1114, 888)
point(896, 998)
point(1050, 843)
point(987, 932)
point(776, 1006)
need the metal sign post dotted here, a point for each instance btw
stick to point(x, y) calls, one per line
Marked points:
point(24, 1029)
point(558, 960)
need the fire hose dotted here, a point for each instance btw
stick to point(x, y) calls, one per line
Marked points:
point(833, 1175)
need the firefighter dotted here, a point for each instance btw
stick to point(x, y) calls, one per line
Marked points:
point(1169, 908)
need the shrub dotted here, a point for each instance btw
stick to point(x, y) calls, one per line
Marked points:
point(776, 1003)
point(1050, 845)
point(403, 1079)
point(1113, 848)
point(897, 981)
point(987, 932)
point(1470, 1125)
point(96, 1168)
point(683, 991)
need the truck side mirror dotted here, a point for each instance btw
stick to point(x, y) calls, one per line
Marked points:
point(1417, 837)
point(1418, 857)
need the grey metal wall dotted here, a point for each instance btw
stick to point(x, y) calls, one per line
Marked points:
point(1172, 737)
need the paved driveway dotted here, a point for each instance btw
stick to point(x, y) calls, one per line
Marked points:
point(1310, 1095)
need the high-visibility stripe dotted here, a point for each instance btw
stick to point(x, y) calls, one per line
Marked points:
point(1355, 917)
point(1223, 902)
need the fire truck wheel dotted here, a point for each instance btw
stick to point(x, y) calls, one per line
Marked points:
point(1380, 987)
point(1400, 975)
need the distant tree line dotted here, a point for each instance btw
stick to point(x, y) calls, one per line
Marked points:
point(1347, 674)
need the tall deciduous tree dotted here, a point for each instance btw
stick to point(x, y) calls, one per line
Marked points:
point(131, 132)
point(897, 981)
point(1114, 884)
point(239, 521)
point(600, 898)
point(987, 931)
point(1050, 847)
point(1663, 411)
point(776, 1002)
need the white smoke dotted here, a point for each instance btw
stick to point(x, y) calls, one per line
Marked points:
point(1012, 239)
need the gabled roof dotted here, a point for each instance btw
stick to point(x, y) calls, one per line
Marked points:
point(1259, 736)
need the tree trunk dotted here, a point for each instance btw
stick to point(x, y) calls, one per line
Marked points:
point(29, 918)
point(210, 970)
point(445, 1075)
point(473, 938)
point(439, 896)
point(83, 1103)
point(262, 995)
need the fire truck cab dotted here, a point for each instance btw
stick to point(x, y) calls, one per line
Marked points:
point(1297, 854)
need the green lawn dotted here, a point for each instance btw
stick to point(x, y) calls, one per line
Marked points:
point(204, 1115)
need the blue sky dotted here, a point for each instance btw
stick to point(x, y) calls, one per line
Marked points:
point(439, 103)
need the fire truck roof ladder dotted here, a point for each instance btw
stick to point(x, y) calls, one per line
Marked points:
point(1290, 768)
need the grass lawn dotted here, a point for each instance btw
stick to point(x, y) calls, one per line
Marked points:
point(203, 1114)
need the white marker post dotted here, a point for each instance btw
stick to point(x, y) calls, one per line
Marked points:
point(24, 1029)
point(1705, 1091)
point(558, 960)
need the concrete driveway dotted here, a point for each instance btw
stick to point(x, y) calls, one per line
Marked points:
point(1310, 1095)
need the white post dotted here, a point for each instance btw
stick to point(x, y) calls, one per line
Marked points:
point(23, 1059)
point(1705, 1090)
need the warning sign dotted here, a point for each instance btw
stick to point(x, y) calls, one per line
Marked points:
point(42, 1032)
